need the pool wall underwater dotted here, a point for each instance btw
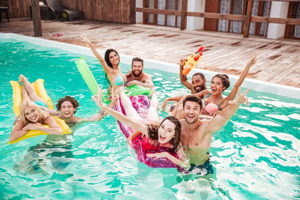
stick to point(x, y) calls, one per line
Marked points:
point(252, 84)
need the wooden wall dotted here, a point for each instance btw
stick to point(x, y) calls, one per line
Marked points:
point(106, 10)
point(19, 8)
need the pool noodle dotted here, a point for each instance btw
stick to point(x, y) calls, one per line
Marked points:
point(87, 76)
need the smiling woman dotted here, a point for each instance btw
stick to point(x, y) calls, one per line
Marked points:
point(32, 114)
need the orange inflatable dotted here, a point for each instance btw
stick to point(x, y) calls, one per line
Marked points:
point(192, 61)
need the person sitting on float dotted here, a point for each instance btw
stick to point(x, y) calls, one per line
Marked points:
point(165, 134)
point(32, 117)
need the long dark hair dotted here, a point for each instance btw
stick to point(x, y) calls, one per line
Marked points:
point(106, 56)
point(153, 131)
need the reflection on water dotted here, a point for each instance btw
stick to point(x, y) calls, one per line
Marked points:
point(54, 153)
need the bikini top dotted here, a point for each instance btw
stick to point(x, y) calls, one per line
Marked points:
point(209, 108)
point(119, 80)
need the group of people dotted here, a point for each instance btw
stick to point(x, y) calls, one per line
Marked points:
point(186, 133)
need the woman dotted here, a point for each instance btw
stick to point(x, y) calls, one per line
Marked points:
point(32, 117)
point(213, 100)
point(110, 65)
point(165, 135)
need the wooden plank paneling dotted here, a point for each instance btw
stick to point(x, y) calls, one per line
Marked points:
point(106, 10)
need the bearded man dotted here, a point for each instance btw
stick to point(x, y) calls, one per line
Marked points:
point(137, 76)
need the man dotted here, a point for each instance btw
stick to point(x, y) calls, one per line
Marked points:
point(67, 107)
point(198, 80)
point(137, 76)
point(196, 135)
point(198, 84)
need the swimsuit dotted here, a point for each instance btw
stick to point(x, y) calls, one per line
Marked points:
point(119, 80)
point(142, 146)
point(202, 170)
point(204, 104)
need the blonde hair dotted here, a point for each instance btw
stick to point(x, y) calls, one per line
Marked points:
point(41, 114)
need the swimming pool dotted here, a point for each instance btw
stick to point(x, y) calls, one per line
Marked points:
point(256, 155)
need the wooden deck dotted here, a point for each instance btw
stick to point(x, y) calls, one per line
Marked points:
point(278, 60)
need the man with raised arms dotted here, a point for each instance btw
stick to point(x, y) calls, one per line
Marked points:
point(196, 135)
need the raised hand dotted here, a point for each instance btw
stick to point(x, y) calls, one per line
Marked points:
point(240, 98)
point(85, 39)
point(98, 99)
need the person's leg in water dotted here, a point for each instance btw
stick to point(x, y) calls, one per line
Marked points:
point(129, 110)
point(25, 96)
point(30, 90)
point(153, 109)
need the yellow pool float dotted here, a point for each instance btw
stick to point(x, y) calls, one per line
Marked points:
point(40, 91)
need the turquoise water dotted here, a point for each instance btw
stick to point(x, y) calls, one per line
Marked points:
point(256, 155)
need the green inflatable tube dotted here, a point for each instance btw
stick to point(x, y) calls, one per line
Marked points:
point(133, 90)
point(87, 75)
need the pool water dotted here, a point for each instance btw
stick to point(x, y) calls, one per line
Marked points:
point(255, 156)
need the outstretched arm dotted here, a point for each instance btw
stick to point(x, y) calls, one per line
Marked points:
point(147, 82)
point(239, 82)
point(165, 102)
point(222, 117)
point(96, 53)
point(182, 161)
point(53, 128)
point(17, 131)
point(183, 78)
point(137, 126)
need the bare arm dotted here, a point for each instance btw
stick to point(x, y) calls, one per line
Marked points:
point(137, 126)
point(147, 82)
point(239, 82)
point(165, 102)
point(20, 129)
point(17, 131)
point(183, 78)
point(202, 93)
point(182, 161)
point(222, 117)
point(96, 53)
point(53, 129)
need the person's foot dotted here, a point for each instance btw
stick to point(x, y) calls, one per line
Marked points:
point(22, 78)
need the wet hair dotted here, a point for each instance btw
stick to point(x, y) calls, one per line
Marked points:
point(73, 101)
point(202, 77)
point(192, 98)
point(42, 116)
point(153, 131)
point(224, 78)
point(106, 56)
point(137, 59)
